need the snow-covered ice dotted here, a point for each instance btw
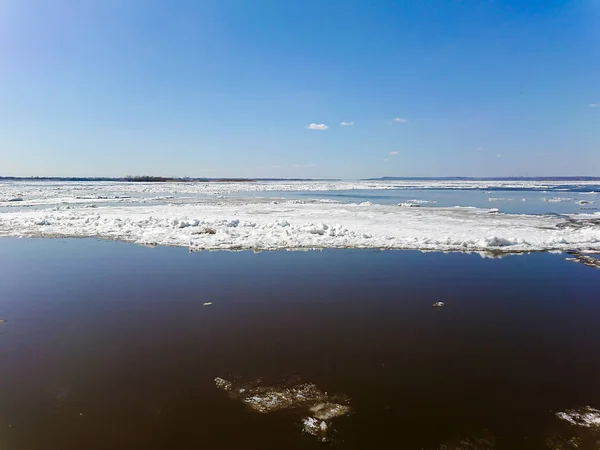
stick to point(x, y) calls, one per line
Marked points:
point(196, 215)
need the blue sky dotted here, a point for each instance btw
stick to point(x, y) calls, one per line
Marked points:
point(231, 87)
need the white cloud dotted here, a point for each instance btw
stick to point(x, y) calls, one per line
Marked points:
point(400, 120)
point(594, 105)
point(498, 155)
point(347, 124)
point(317, 126)
point(394, 153)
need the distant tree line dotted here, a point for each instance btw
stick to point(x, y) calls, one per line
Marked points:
point(147, 178)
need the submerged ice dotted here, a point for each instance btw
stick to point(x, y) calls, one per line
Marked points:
point(319, 408)
point(586, 417)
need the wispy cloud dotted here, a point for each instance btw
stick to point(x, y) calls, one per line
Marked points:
point(394, 153)
point(399, 120)
point(317, 126)
point(347, 124)
point(498, 155)
point(594, 105)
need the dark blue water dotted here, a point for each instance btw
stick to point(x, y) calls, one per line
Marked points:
point(108, 345)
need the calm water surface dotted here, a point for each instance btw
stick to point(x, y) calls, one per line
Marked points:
point(513, 201)
point(108, 346)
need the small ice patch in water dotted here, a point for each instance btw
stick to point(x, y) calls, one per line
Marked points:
point(422, 201)
point(266, 399)
point(328, 411)
point(221, 383)
point(316, 428)
point(409, 205)
point(584, 259)
point(557, 199)
point(586, 417)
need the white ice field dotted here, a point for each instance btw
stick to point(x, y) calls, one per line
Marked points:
point(207, 216)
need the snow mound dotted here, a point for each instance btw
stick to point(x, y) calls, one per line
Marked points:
point(265, 226)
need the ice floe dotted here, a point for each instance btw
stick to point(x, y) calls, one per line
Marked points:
point(197, 216)
point(261, 226)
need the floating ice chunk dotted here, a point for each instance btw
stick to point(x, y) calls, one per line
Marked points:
point(270, 399)
point(422, 201)
point(585, 260)
point(266, 399)
point(409, 205)
point(206, 303)
point(221, 383)
point(585, 416)
point(557, 199)
point(316, 428)
point(3, 321)
point(439, 304)
point(328, 410)
point(500, 199)
point(585, 202)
